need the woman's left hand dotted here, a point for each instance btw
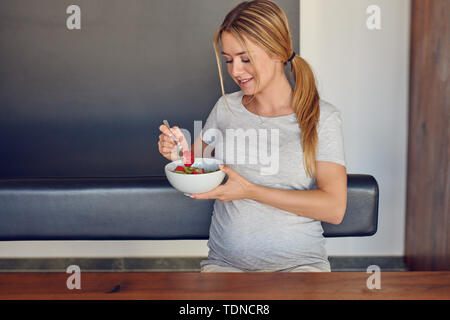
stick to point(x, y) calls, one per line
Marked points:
point(236, 187)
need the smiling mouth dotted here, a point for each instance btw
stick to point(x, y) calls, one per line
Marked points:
point(244, 82)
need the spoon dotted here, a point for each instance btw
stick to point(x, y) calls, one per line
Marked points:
point(179, 149)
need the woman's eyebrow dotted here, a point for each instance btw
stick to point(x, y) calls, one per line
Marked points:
point(238, 54)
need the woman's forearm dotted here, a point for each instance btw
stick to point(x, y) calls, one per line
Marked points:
point(314, 204)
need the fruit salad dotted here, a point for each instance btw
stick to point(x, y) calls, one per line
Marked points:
point(188, 159)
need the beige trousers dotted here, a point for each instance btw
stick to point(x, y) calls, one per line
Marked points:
point(315, 267)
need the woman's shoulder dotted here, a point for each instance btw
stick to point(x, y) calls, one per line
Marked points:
point(327, 109)
point(234, 95)
point(233, 99)
point(328, 112)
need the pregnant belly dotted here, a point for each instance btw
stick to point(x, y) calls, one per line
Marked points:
point(257, 241)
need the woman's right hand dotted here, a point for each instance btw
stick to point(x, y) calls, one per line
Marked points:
point(167, 147)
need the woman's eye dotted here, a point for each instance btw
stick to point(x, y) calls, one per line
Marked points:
point(245, 61)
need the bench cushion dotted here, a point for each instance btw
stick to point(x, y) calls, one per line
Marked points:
point(142, 208)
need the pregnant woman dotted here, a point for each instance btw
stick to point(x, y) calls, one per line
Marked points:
point(267, 216)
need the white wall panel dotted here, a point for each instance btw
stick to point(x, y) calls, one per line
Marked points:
point(365, 74)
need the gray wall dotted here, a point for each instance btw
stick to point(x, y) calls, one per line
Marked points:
point(89, 102)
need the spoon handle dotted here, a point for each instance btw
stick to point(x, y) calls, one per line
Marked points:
point(180, 152)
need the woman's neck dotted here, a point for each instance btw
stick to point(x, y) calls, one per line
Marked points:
point(274, 99)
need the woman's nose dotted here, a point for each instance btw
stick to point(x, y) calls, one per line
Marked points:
point(236, 69)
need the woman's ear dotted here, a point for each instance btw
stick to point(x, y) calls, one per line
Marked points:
point(277, 59)
point(273, 57)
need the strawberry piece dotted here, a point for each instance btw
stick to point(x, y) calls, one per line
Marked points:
point(188, 158)
point(179, 168)
point(197, 171)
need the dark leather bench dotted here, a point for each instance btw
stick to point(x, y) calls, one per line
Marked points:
point(142, 208)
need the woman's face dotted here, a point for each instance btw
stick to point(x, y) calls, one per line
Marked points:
point(240, 68)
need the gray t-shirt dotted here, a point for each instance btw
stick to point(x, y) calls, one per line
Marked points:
point(248, 234)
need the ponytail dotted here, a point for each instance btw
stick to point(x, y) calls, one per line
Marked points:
point(306, 106)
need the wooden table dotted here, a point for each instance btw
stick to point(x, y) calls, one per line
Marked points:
point(226, 286)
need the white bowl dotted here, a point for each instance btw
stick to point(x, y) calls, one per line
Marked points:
point(195, 183)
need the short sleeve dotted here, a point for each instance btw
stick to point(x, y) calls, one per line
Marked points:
point(331, 141)
point(210, 128)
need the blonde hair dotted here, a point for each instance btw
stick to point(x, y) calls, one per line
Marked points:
point(264, 23)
